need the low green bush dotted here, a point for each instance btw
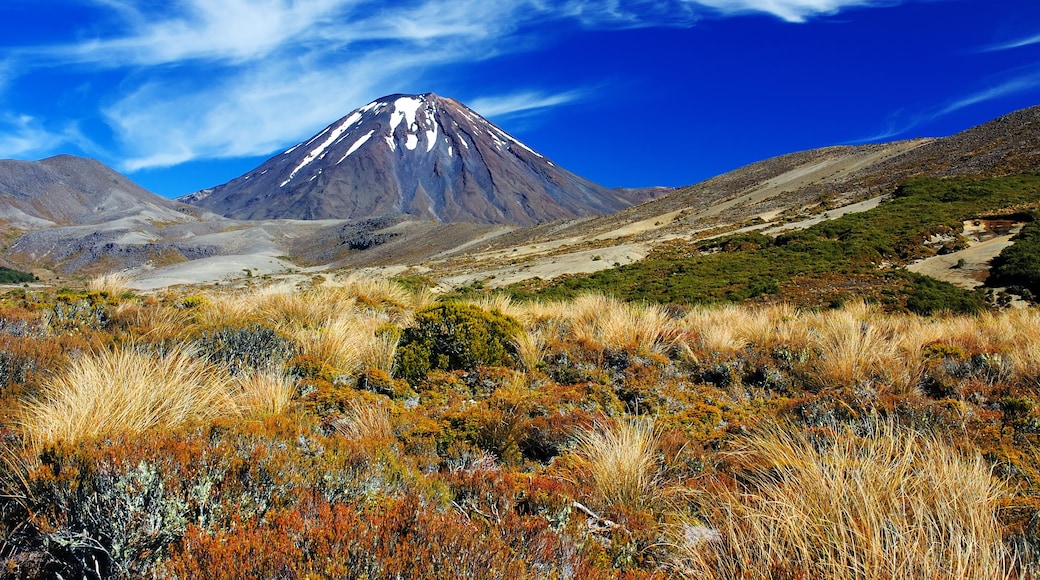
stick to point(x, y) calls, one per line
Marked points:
point(456, 336)
point(1018, 266)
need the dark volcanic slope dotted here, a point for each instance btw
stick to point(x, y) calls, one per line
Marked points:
point(426, 156)
point(67, 190)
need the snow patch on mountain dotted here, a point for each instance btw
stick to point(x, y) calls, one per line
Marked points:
point(320, 149)
point(357, 145)
point(405, 109)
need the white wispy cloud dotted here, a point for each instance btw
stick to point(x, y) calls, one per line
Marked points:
point(1019, 84)
point(900, 123)
point(1011, 45)
point(252, 113)
point(241, 31)
point(789, 10)
point(24, 135)
point(205, 79)
point(524, 102)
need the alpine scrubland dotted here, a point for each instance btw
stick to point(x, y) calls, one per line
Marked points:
point(364, 429)
point(776, 405)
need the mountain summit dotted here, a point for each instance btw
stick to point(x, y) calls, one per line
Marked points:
point(421, 155)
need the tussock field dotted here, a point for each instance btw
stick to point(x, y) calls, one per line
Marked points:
point(358, 429)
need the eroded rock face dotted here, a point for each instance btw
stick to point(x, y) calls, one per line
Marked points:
point(421, 155)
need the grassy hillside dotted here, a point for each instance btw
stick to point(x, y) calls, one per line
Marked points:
point(856, 256)
point(360, 430)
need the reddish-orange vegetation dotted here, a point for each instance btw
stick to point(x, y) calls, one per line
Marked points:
point(614, 441)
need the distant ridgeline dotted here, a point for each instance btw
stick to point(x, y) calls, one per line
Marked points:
point(9, 276)
point(852, 257)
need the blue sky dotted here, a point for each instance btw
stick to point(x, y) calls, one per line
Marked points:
point(186, 94)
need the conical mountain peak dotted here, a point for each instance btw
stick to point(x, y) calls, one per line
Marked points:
point(417, 154)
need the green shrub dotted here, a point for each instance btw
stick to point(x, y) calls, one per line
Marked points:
point(9, 276)
point(455, 336)
point(1018, 266)
point(929, 296)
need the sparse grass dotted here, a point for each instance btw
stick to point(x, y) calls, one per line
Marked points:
point(752, 266)
point(125, 391)
point(888, 503)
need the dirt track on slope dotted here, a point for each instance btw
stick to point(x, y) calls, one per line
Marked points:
point(975, 268)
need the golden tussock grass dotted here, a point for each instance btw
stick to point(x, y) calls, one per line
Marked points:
point(619, 462)
point(503, 304)
point(1021, 329)
point(349, 342)
point(611, 324)
point(530, 347)
point(125, 391)
point(156, 323)
point(263, 393)
point(366, 421)
point(336, 343)
point(716, 330)
point(375, 290)
point(890, 503)
point(287, 309)
point(378, 351)
point(114, 284)
point(225, 309)
point(849, 345)
point(386, 295)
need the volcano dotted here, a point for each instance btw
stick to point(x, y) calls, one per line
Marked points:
point(424, 156)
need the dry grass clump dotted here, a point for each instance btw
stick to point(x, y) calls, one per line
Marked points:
point(335, 325)
point(286, 308)
point(154, 322)
point(264, 393)
point(1022, 331)
point(619, 462)
point(349, 343)
point(715, 330)
point(225, 309)
point(113, 283)
point(530, 347)
point(379, 351)
point(608, 323)
point(336, 343)
point(385, 293)
point(365, 421)
point(125, 391)
point(850, 345)
point(891, 503)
